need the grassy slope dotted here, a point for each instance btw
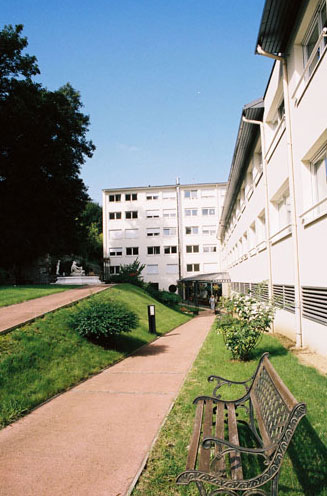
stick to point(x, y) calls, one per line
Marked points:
point(17, 294)
point(46, 357)
point(304, 471)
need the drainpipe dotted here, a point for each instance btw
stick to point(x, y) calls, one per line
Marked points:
point(179, 229)
point(297, 282)
point(267, 213)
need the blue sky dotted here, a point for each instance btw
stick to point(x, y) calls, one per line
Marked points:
point(163, 81)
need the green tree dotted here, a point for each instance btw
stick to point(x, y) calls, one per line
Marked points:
point(91, 220)
point(42, 148)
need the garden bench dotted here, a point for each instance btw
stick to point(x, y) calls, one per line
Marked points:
point(216, 457)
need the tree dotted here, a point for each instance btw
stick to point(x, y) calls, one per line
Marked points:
point(42, 147)
point(91, 219)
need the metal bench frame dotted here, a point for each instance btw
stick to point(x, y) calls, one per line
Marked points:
point(273, 415)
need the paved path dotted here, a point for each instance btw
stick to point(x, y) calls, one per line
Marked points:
point(22, 313)
point(94, 439)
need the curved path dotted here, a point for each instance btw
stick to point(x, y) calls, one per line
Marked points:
point(23, 313)
point(94, 439)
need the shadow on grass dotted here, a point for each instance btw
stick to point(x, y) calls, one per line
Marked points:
point(123, 343)
point(272, 350)
point(308, 455)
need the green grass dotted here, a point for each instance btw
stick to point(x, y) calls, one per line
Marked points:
point(304, 470)
point(44, 358)
point(17, 294)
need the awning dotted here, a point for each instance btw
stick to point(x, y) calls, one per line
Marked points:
point(217, 277)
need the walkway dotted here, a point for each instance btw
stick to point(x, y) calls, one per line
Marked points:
point(94, 439)
point(23, 313)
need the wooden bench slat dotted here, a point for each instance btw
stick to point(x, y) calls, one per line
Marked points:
point(220, 434)
point(235, 458)
point(194, 444)
point(207, 431)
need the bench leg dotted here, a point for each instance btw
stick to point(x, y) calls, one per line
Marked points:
point(274, 485)
point(201, 489)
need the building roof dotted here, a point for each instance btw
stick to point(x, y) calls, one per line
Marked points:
point(166, 186)
point(213, 277)
point(246, 138)
point(277, 24)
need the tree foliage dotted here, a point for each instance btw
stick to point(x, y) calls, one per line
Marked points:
point(42, 147)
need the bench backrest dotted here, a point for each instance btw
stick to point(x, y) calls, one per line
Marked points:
point(272, 401)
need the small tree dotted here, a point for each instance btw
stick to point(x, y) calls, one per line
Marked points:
point(243, 325)
point(130, 273)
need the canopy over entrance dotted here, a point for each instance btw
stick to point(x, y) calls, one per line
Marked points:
point(197, 290)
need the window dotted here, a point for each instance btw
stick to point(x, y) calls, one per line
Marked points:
point(168, 250)
point(208, 211)
point(115, 234)
point(152, 269)
point(210, 268)
point(279, 116)
point(131, 196)
point(153, 231)
point(132, 214)
point(192, 248)
point(152, 214)
point(115, 198)
point(192, 230)
point(261, 227)
point(208, 193)
point(191, 212)
point(169, 231)
point(191, 194)
point(318, 169)
point(168, 195)
point(115, 252)
point(252, 236)
point(114, 215)
point(152, 196)
point(114, 269)
point(131, 233)
point(133, 250)
point(284, 210)
point(209, 248)
point(193, 267)
point(172, 269)
point(310, 48)
point(209, 230)
point(153, 250)
point(171, 213)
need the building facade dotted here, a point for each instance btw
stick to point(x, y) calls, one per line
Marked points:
point(172, 230)
point(273, 229)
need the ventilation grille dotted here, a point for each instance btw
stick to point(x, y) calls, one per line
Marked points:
point(314, 304)
point(284, 297)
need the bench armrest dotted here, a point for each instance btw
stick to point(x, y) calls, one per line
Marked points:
point(221, 381)
point(230, 447)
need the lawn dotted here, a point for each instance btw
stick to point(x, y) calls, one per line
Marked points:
point(17, 294)
point(304, 470)
point(46, 357)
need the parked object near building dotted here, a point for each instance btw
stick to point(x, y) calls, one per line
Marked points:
point(274, 223)
point(171, 229)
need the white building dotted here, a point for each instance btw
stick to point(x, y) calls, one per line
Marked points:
point(171, 229)
point(274, 222)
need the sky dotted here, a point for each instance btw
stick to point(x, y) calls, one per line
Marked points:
point(163, 81)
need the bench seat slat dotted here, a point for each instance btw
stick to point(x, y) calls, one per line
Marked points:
point(194, 444)
point(220, 434)
point(235, 458)
point(207, 432)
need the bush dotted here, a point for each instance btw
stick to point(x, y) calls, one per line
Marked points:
point(99, 320)
point(165, 297)
point(243, 325)
point(130, 273)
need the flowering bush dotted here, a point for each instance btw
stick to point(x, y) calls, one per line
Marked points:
point(242, 327)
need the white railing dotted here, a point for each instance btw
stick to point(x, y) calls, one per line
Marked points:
point(315, 211)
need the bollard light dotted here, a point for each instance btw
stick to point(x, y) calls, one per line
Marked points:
point(152, 318)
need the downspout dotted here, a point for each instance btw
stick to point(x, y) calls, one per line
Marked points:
point(179, 234)
point(267, 213)
point(297, 283)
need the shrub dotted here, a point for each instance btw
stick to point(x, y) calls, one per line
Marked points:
point(130, 273)
point(165, 297)
point(99, 320)
point(243, 325)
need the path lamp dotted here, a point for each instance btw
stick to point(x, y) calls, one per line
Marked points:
point(152, 318)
